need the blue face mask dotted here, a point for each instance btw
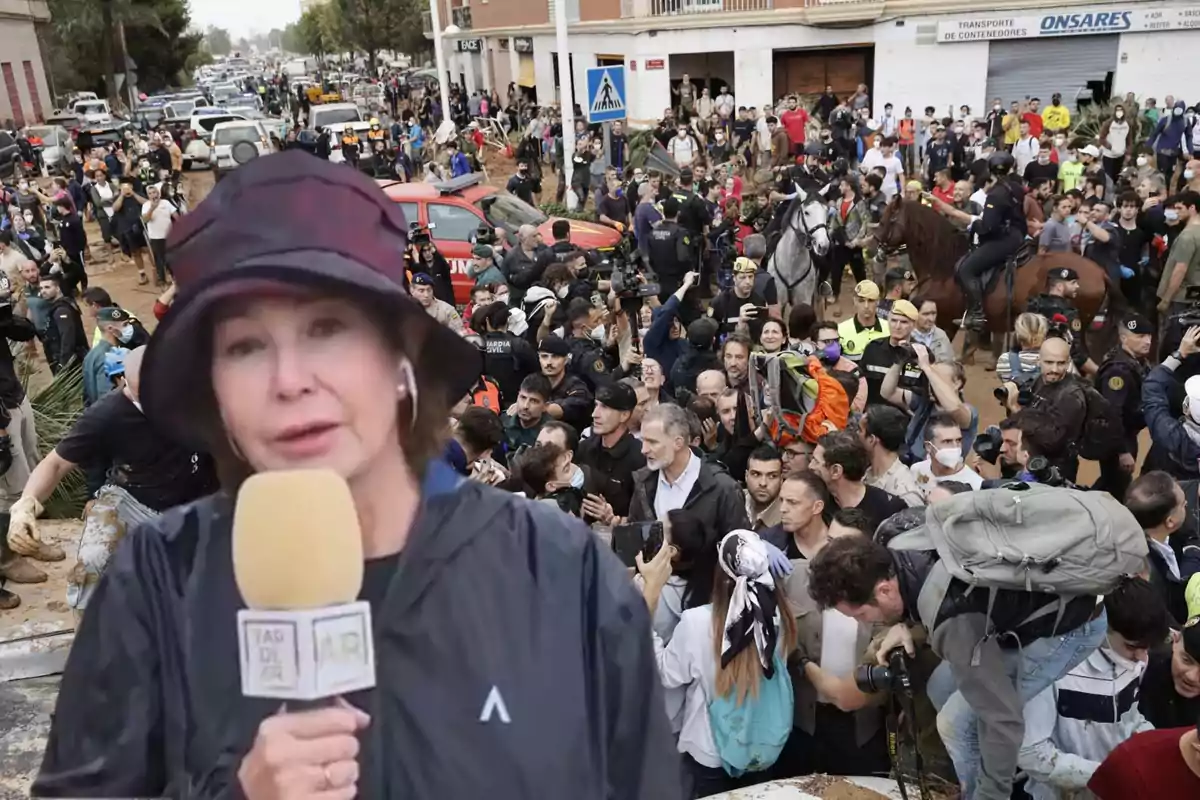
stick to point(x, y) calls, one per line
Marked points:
point(126, 334)
point(831, 352)
point(577, 479)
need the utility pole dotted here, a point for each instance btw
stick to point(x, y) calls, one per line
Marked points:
point(567, 100)
point(439, 55)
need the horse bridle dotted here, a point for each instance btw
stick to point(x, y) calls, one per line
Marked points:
point(805, 234)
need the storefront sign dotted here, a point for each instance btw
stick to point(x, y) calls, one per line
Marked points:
point(523, 44)
point(655, 63)
point(470, 45)
point(1115, 20)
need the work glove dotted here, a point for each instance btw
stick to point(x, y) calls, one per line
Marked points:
point(22, 526)
point(781, 565)
point(1126, 272)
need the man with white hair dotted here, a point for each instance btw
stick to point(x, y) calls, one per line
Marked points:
point(523, 263)
point(675, 477)
point(147, 474)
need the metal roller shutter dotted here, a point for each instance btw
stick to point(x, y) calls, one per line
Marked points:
point(1040, 67)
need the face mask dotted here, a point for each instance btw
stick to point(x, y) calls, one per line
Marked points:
point(948, 457)
point(1142, 161)
point(1178, 112)
point(598, 333)
point(1120, 115)
point(23, 186)
point(958, 129)
point(1188, 174)
point(562, 292)
point(996, 107)
point(126, 334)
point(1170, 215)
point(28, 218)
point(577, 478)
point(831, 352)
point(1059, 141)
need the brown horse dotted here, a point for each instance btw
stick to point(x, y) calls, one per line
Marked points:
point(935, 247)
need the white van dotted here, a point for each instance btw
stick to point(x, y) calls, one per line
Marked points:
point(93, 112)
point(235, 143)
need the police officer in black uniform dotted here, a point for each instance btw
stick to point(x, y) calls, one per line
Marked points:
point(507, 358)
point(1120, 382)
point(1000, 231)
point(588, 357)
point(570, 399)
point(1062, 286)
point(695, 218)
point(671, 250)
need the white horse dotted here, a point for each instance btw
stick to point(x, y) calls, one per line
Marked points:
point(791, 265)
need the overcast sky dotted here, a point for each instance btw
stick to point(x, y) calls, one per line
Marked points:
point(244, 17)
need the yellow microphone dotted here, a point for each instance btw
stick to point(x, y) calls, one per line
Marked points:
point(298, 563)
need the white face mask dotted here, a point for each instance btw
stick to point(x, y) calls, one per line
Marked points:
point(1193, 410)
point(1142, 161)
point(562, 292)
point(949, 457)
point(598, 333)
point(577, 477)
point(1177, 112)
point(1188, 174)
point(1120, 115)
point(1170, 214)
point(23, 186)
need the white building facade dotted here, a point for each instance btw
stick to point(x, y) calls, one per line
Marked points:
point(944, 60)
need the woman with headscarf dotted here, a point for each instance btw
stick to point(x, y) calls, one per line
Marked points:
point(294, 344)
point(731, 651)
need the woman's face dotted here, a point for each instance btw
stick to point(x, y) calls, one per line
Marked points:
point(305, 382)
point(772, 337)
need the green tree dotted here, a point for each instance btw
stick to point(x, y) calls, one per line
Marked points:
point(86, 50)
point(217, 41)
point(291, 40)
point(310, 33)
point(373, 25)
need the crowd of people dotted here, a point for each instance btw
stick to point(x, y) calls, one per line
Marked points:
point(798, 502)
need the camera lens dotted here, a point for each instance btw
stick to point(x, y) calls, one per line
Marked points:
point(872, 679)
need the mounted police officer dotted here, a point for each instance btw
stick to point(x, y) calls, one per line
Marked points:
point(1120, 382)
point(1000, 232)
point(1062, 286)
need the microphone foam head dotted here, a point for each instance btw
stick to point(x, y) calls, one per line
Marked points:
point(296, 540)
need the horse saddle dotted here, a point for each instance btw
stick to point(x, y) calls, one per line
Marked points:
point(1020, 257)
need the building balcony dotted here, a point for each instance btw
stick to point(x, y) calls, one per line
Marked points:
point(673, 8)
point(461, 16)
point(34, 10)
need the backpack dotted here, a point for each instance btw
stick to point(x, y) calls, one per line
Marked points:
point(1033, 539)
point(801, 395)
point(1102, 429)
point(487, 394)
point(750, 736)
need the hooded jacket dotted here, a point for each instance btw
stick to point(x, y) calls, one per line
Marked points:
point(1172, 132)
point(493, 595)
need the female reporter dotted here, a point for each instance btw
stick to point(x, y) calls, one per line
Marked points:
point(513, 656)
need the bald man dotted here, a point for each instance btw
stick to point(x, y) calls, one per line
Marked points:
point(147, 474)
point(711, 383)
point(1060, 394)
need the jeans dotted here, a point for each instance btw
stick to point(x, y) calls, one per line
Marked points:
point(1032, 668)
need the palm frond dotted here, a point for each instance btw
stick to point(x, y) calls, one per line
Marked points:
point(55, 410)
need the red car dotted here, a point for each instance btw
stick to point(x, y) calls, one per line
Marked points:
point(455, 210)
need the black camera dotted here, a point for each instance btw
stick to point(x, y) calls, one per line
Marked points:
point(485, 235)
point(419, 234)
point(987, 444)
point(1046, 473)
point(873, 678)
point(625, 276)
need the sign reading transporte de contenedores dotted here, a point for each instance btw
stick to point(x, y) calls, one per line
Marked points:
point(1105, 19)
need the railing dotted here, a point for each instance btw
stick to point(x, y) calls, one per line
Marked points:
point(811, 3)
point(670, 8)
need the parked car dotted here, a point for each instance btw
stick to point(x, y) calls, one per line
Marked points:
point(197, 151)
point(93, 112)
point(10, 156)
point(56, 147)
point(152, 114)
point(66, 119)
point(101, 135)
point(456, 209)
point(235, 143)
point(333, 116)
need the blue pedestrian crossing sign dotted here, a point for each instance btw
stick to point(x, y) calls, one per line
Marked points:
point(606, 94)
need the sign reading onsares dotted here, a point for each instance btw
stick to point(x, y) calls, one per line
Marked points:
point(1090, 22)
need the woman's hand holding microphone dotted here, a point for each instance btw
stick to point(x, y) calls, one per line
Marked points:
point(305, 754)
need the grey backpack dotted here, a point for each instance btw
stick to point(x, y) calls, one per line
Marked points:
point(1059, 541)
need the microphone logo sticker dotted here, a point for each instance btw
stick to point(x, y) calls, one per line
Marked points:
point(494, 705)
